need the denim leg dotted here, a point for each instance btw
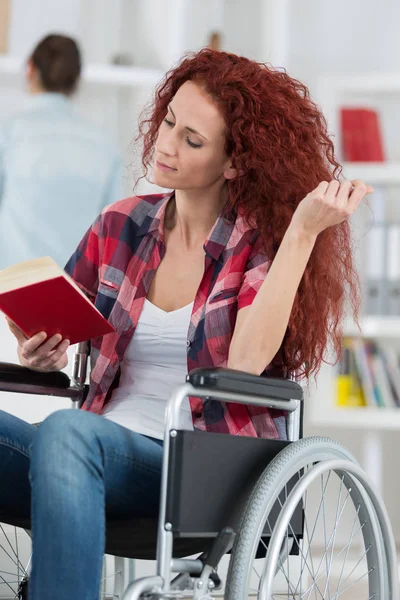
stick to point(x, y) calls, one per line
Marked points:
point(15, 440)
point(83, 467)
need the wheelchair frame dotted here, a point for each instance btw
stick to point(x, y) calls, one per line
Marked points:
point(166, 564)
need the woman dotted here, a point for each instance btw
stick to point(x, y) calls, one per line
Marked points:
point(244, 265)
point(57, 171)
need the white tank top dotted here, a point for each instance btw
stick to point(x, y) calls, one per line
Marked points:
point(155, 363)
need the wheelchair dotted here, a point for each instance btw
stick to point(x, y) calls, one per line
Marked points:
point(298, 519)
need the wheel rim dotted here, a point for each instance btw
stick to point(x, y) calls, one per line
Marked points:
point(330, 569)
point(15, 558)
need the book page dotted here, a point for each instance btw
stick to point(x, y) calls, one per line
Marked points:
point(33, 271)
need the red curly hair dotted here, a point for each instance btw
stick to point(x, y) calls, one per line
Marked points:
point(277, 139)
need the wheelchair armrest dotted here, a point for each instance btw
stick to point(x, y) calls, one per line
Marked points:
point(240, 382)
point(11, 373)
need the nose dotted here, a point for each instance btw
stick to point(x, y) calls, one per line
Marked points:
point(167, 143)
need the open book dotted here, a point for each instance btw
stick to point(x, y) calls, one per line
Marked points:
point(37, 295)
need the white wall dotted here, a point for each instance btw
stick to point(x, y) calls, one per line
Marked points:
point(343, 37)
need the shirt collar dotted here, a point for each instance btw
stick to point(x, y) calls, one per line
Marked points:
point(154, 220)
point(214, 244)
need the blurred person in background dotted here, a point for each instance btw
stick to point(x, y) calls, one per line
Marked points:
point(57, 171)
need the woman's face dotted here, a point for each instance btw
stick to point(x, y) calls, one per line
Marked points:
point(189, 152)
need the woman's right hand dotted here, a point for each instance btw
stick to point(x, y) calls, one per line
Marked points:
point(39, 353)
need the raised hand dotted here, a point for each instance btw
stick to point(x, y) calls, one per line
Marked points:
point(329, 204)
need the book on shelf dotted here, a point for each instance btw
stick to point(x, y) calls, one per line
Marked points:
point(382, 270)
point(38, 295)
point(362, 368)
point(361, 135)
point(392, 296)
point(375, 255)
point(368, 374)
point(349, 391)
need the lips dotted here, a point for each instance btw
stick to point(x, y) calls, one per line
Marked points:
point(164, 167)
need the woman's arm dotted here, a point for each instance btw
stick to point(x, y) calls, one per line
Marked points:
point(260, 328)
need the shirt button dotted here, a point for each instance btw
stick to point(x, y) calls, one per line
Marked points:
point(188, 344)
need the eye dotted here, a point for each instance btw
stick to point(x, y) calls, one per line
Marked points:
point(192, 144)
point(169, 123)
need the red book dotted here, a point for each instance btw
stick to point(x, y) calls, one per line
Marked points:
point(361, 135)
point(37, 295)
point(372, 135)
point(352, 135)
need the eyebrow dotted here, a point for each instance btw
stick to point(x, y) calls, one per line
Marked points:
point(188, 128)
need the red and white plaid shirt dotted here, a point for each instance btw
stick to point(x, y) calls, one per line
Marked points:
point(114, 265)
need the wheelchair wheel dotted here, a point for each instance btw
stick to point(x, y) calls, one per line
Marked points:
point(15, 562)
point(346, 546)
point(15, 557)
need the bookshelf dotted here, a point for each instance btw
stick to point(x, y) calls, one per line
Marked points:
point(373, 173)
point(112, 75)
point(333, 91)
point(383, 329)
point(366, 83)
point(366, 422)
point(374, 326)
point(363, 418)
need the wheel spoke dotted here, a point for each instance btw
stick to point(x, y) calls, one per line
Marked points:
point(318, 513)
point(297, 541)
point(356, 565)
point(329, 551)
point(2, 580)
point(338, 555)
point(330, 539)
point(16, 561)
point(327, 586)
point(349, 544)
point(340, 592)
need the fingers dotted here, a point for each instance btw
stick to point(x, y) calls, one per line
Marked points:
point(358, 192)
point(322, 187)
point(342, 198)
point(332, 191)
point(369, 189)
point(347, 194)
point(56, 358)
point(32, 344)
point(37, 352)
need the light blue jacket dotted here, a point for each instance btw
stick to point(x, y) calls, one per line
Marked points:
point(57, 172)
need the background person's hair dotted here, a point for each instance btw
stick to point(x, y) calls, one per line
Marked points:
point(277, 140)
point(58, 60)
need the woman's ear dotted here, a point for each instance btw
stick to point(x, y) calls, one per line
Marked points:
point(29, 68)
point(230, 172)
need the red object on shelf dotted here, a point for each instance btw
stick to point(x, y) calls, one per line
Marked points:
point(361, 135)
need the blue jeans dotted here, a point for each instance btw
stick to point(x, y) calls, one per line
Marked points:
point(68, 474)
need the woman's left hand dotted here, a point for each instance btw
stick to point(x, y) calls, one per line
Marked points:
point(329, 204)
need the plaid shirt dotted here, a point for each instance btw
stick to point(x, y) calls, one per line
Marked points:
point(114, 265)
